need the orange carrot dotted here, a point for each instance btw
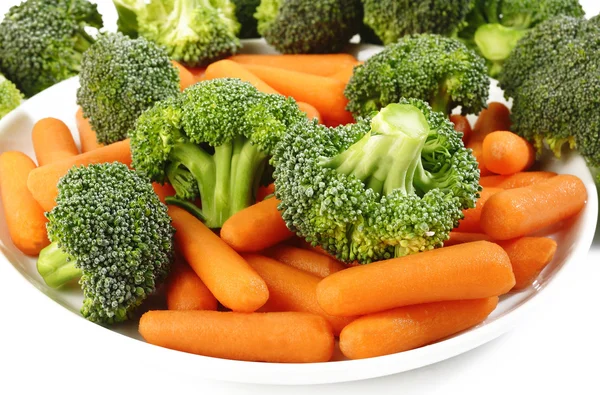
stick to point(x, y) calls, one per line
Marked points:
point(87, 136)
point(42, 181)
point(521, 211)
point(198, 73)
point(471, 221)
point(310, 111)
point(262, 337)
point(163, 191)
point(263, 192)
point(477, 148)
point(312, 262)
point(228, 276)
point(410, 327)
point(52, 141)
point(345, 73)
point(461, 124)
point(464, 237)
point(465, 271)
point(325, 94)
point(528, 257)
point(256, 227)
point(292, 289)
point(316, 64)
point(186, 78)
point(24, 216)
point(495, 117)
point(185, 290)
point(506, 153)
point(516, 180)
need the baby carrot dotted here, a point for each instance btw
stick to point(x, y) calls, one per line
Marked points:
point(228, 276)
point(52, 141)
point(317, 64)
point(263, 192)
point(87, 136)
point(261, 337)
point(528, 257)
point(477, 148)
point(521, 211)
point(461, 124)
point(495, 117)
point(24, 216)
point(310, 111)
point(256, 227)
point(345, 73)
point(465, 237)
point(185, 290)
point(466, 271)
point(42, 180)
point(324, 93)
point(292, 289)
point(410, 327)
point(312, 262)
point(471, 221)
point(517, 180)
point(506, 153)
point(186, 78)
point(163, 191)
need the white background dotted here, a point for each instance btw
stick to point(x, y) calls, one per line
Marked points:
point(556, 349)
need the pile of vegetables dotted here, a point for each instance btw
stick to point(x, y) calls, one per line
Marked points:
point(304, 196)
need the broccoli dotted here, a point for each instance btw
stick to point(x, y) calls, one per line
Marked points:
point(120, 78)
point(213, 142)
point(552, 75)
point(244, 12)
point(306, 26)
point(394, 19)
point(194, 32)
point(429, 67)
point(494, 27)
point(42, 41)
point(389, 186)
point(10, 96)
point(110, 229)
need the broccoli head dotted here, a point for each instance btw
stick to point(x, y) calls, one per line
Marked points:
point(42, 41)
point(213, 142)
point(429, 67)
point(306, 26)
point(494, 27)
point(120, 78)
point(244, 12)
point(110, 229)
point(394, 19)
point(10, 96)
point(384, 187)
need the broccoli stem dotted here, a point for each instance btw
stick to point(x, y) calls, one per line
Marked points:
point(187, 206)
point(56, 267)
point(247, 174)
point(440, 101)
point(223, 157)
point(496, 42)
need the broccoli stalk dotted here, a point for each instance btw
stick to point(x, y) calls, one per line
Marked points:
point(56, 266)
point(495, 42)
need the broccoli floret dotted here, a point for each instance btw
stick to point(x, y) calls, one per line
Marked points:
point(306, 26)
point(394, 19)
point(10, 96)
point(386, 187)
point(213, 141)
point(244, 12)
point(494, 27)
point(194, 32)
point(110, 229)
point(42, 41)
point(120, 78)
point(552, 75)
point(429, 67)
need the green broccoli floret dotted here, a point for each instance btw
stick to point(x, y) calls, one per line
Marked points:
point(429, 67)
point(213, 141)
point(42, 41)
point(306, 26)
point(494, 27)
point(120, 78)
point(10, 96)
point(110, 229)
point(386, 187)
point(394, 19)
point(552, 75)
point(194, 32)
point(244, 12)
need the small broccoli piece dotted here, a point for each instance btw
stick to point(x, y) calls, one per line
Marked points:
point(244, 12)
point(386, 187)
point(305, 26)
point(120, 78)
point(110, 229)
point(42, 41)
point(429, 67)
point(10, 96)
point(552, 76)
point(213, 141)
point(494, 27)
point(394, 19)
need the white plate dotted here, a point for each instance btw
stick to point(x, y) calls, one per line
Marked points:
point(574, 241)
